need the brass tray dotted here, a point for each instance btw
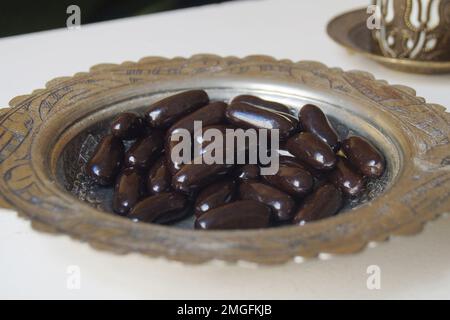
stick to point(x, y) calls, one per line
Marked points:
point(350, 31)
point(39, 134)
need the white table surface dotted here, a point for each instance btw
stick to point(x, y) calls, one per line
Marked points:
point(34, 265)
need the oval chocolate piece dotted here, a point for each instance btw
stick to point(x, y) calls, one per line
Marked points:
point(281, 203)
point(313, 120)
point(293, 180)
point(165, 112)
point(364, 156)
point(159, 178)
point(105, 163)
point(208, 144)
point(144, 150)
point(247, 116)
point(258, 102)
point(312, 150)
point(175, 165)
point(294, 162)
point(248, 172)
point(290, 161)
point(213, 113)
point(128, 126)
point(192, 176)
point(324, 202)
point(346, 179)
point(175, 215)
point(163, 208)
point(172, 165)
point(246, 214)
point(215, 195)
point(128, 190)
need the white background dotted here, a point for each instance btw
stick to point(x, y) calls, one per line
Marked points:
point(34, 265)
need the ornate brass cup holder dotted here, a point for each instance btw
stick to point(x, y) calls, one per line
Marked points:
point(350, 31)
point(41, 136)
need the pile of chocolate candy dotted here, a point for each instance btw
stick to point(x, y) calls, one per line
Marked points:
point(316, 174)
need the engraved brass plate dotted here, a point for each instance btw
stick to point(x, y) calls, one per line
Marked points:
point(38, 129)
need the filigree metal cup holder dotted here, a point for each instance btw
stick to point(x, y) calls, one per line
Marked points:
point(413, 29)
point(46, 137)
point(350, 31)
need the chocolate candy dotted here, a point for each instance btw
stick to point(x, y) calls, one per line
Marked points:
point(247, 116)
point(346, 179)
point(210, 114)
point(160, 208)
point(312, 150)
point(281, 203)
point(312, 176)
point(128, 126)
point(293, 180)
point(248, 172)
point(203, 143)
point(159, 178)
point(175, 166)
point(247, 214)
point(294, 162)
point(207, 145)
point(144, 150)
point(194, 176)
point(166, 111)
point(175, 215)
point(364, 156)
point(313, 120)
point(258, 102)
point(290, 161)
point(323, 203)
point(128, 190)
point(172, 166)
point(106, 161)
point(215, 195)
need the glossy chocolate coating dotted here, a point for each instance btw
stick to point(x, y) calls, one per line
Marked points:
point(175, 166)
point(344, 177)
point(213, 113)
point(172, 166)
point(128, 126)
point(319, 177)
point(215, 195)
point(240, 151)
point(294, 162)
point(290, 161)
point(258, 102)
point(204, 143)
point(247, 116)
point(106, 161)
point(191, 177)
point(166, 111)
point(293, 180)
point(248, 172)
point(163, 208)
point(128, 190)
point(323, 203)
point(311, 150)
point(364, 156)
point(208, 145)
point(175, 215)
point(281, 203)
point(159, 178)
point(313, 120)
point(246, 214)
point(145, 150)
